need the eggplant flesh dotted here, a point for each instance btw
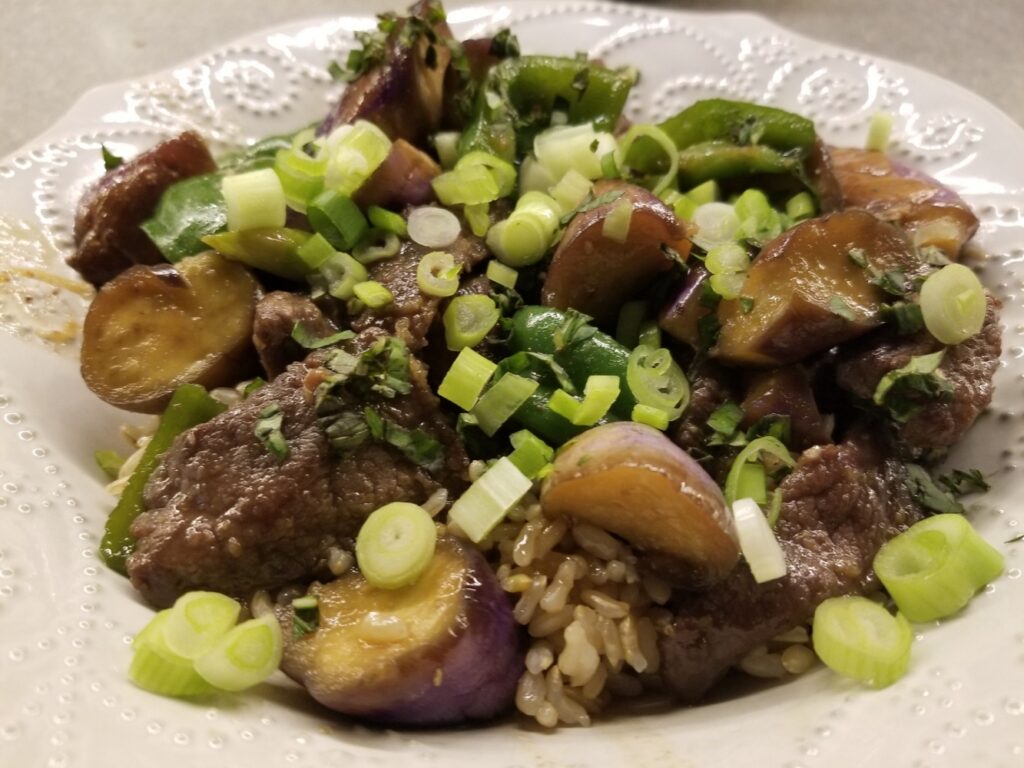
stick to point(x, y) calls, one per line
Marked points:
point(441, 651)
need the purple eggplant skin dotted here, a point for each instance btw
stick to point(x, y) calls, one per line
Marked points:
point(680, 317)
point(460, 659)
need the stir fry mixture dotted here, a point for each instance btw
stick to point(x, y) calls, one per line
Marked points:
point(475, 396)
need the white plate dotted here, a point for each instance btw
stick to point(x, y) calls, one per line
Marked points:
point(65, 621)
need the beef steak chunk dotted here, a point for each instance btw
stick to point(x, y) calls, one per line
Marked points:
point(224, 514)
point(842, 502)
point(968, 367)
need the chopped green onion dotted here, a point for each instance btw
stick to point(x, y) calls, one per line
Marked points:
point(338, 276)
point(576, 147)
point(651, 416)
point(564, 404)
point(466, 378)
point(197, 621)
point(716, 223)
point(305, 615)
point(616, 224)
point(953, 304)
point(315, 251)
point(708, 192)
point(372, 294)
point(268, 430)
point(110, 462)
point(800, 206)
point(157, 669)
point(376, 245)
point(760, 548)
point(466, 186)
point(446, 144)
point(879, 132)
point(650, 334)
point(337, 218)
point(860, 639)
point(571, 190)
point(531, 454)
point(504, 172)
point(478, 217)
point(503, 399)
point(727, 259)
point(395, 545)
point(727, 286)
point(534, 177)
point(758, 220)
point(489, 499)
point(501, 274)
point(387, 220)
point(254, 200)
point(751, 453)
point(655, 379)
point(302, 336)
point(631, 317)
point(656, 135)
point(433, 227)
point(354, 152)
point(248, 654)
point(437, 274)
point(935, 567)
point(302, 177)
point(905, 390)
point(468, 319)
point(598, 395)
point(609, 167)
point(525, 236)
point(684, 208)
point(753, 483)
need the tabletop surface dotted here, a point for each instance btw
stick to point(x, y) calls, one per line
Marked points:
point(52, 52)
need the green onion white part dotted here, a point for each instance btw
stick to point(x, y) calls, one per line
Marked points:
point(760, 548)
point(254, 200)
point(466, 378)
point(860, 639)
point(716, 223)
point(248, 654)
point(433, 227)
point(953, 304)
point(437, 274)
point(489, 499)
point(197, 621)
point(395, 545)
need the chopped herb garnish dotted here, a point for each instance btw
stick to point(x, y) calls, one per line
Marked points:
point(594, 145)
point(858, 257)
point(771, 426)
point(337, 72)
point(110, 462)
point(1018, 538)
point(306, 617)
point(893, 282)
point(307, 340)
point(581, 82)
point(575, 328)
point(905, 391)
point(415, 444)
point(963, 482)
point(933, 256)
point(504, 45)
point(746, 304)
point(252, 386)
point(110, 160)
point(383, 368)
point(837, 306)
point(708, 328)
point(905, 316)
point(725, 419)
point(592, 202)
point(928, 494)
point(268, 430)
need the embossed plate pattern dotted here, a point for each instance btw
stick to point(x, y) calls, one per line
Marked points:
point(65, 622)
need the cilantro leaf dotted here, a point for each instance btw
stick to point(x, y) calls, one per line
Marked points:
point(725, 419)
point(268, 430)
point(307, 340)
point(961, 483)
point(905, 391)
point(110, 160)
point(837, 306)
point(576, 328)
point(928, 494)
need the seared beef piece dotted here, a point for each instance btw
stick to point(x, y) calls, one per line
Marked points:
point(412, 312)
point(403, 95)
point(968, 367)
point(787, 392)
point(842, 502)
point(711, 386)
point(108, 239)
point(224, 514)
point(896, 193)
point(275, 318)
